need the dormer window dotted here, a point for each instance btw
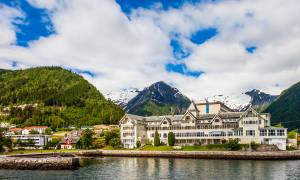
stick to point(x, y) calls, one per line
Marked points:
point(187, 118)
point(217, 120)
point(165, 122)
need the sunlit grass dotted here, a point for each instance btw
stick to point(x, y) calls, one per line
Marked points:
point(156, 148)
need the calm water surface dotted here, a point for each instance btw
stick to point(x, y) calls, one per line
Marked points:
point(151, 168)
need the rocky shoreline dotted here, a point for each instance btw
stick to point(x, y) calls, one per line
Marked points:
point(63, 161)
point(35, 163)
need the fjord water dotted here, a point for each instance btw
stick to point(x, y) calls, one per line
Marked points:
point(160, 168)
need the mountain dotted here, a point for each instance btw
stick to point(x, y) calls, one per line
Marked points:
point(260, 100)
point(123, 96)
point(63, 97)
point(158, 99)
point(236, 102)
point(286, 108)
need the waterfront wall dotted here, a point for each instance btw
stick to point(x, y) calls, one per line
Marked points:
point(34, 163)
point(241, 155)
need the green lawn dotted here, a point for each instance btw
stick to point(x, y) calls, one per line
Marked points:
point(156, 148)
point(32, 151)
point(184, 148)
point(202, 148)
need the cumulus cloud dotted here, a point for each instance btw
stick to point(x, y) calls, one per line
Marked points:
point(132, 50)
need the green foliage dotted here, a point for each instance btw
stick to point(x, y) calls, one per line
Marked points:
point(279, 125)
point(51, 144)
point(111, 134)
point(290, 148)
point(86, 138)
point(286, 108)
point(171, 139)
point(115, 143)
point(30, 143)
point(48, 131)
point(254, 145)
point(33, 132)
point(292, 134)
point(156, 139)
point(138, 144)
point(5, 142)
point(233, 145)
point(98, 143)
point(64, 98)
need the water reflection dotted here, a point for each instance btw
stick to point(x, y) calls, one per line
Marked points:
point(157, 168)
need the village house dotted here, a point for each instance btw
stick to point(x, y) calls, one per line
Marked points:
point(24, 134)
point(203, 123)
point(69, 142)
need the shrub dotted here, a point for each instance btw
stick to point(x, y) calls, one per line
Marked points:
point(156, 139)
point(115, 143)
point(254, 145)
point(98, 143)
point(223, 141)
point(292, 134)
point(233, 145)
point(110, 134)
point(48, 131)
point(171, 139)
point(291, 148)
point(138, 144)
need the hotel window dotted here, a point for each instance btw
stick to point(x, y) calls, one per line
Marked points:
point(263, 132)
point(229, 133)
point(280, 132)
point(272, 132)
point(165, 135)
point(152, 134)
point(250, 133)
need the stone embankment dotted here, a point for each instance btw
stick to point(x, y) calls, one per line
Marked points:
point(59, 161)
point(39, 163)
point(240, 155)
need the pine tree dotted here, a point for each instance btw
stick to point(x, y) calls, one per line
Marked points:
point(156, 139)
point(171, 139)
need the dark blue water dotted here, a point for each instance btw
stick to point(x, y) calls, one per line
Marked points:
point(151, 168)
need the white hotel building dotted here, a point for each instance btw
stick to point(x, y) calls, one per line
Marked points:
point(206, 123)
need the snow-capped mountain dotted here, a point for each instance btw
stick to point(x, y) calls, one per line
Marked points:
point(239, 102)
point(158, 99)
point(123, 96)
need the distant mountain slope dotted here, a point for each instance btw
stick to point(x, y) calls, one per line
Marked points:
point(123, 96)
point(260, 100)
point(158, 99)
point(62, 96)
point(286, 108)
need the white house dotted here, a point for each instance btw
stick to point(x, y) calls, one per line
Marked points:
point(206, 123)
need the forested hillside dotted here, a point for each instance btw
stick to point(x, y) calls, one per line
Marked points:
point(286, 108)
point(63, 97)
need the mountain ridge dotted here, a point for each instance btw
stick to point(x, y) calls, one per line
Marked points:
point(158, 99)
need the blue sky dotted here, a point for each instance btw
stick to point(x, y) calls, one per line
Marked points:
point(37, 24)
point(221, 46)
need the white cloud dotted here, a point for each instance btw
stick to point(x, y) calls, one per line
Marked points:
point(97, 36)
